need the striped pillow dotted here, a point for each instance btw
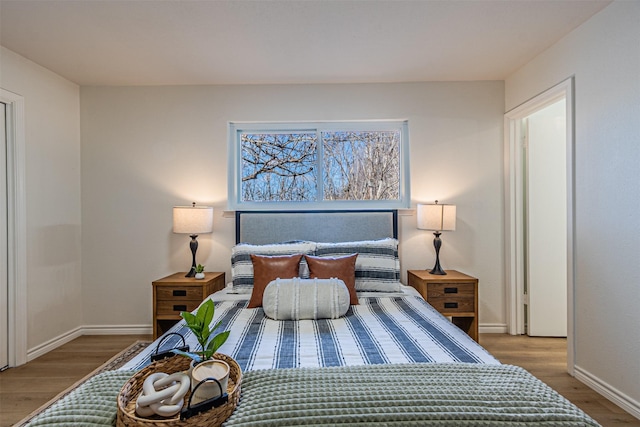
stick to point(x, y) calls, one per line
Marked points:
point(242, 268)
point(299, 299)
point(377, 265)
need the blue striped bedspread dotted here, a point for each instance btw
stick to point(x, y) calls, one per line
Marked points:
point(390, 329)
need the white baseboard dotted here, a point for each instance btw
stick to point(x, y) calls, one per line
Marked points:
point(53, 343)
point(117, 330)
point(611, 393)
point(56, 342)
point(492, 328)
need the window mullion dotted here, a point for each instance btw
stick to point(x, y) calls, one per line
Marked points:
point(319, 167)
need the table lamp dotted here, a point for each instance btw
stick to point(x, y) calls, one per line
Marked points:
point(437, 218)
point(192, 220)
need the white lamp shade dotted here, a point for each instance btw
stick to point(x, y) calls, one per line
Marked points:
point(437, 217)
point(192, 219)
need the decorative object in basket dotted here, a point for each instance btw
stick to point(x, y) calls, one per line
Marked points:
point(162, 394)
point(215, 416)
point(211, 377)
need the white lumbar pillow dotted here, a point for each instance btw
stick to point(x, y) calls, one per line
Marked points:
point(299, 299)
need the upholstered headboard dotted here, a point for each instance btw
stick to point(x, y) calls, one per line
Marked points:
point(263, 227)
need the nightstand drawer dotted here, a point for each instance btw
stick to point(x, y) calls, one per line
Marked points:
point(455, 290)
point(453, 304)
point(179, 293)
point(454, 295)
point(175, 307)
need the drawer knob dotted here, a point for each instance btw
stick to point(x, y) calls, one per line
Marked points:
point(179, 308)
point(450, 305)
point(180, 293)
point(450, 290)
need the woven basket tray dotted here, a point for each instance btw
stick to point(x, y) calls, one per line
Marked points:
point(127, 416)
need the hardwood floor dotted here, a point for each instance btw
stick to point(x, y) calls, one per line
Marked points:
point(25, 388)
point(546, 358)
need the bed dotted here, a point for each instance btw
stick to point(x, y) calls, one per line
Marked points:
point(391, 323)
point(390, 359)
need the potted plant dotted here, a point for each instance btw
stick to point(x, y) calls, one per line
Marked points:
point(199, 323)
point(203, 365)
point(199, 271)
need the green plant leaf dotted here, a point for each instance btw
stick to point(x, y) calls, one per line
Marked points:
point(217, 342)
point(189, 318)
point(205, 313)
point(200, 322)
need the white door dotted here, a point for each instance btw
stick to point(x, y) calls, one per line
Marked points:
point(546, 221)
point(4, 286)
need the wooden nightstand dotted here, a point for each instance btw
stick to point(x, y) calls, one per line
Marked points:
point(176, 293)
point(454, 295)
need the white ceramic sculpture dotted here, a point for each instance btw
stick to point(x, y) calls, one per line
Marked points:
point(162, 394)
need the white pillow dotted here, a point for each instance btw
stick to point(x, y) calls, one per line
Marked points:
point(298, 299)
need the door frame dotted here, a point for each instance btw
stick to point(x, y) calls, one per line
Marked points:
point(17, 228)
point(514, 208)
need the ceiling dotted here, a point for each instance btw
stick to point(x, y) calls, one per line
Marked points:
point(183, 42)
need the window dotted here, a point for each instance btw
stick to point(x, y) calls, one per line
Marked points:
point(328, 165)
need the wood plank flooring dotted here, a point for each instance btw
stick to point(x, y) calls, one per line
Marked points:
point(546, 358)
point(24, 389)
point(27, 387)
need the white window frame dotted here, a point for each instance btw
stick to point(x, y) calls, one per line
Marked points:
point(235, 164)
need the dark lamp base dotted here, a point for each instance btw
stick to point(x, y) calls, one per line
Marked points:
point(438, 271)
point(193, 244)
point(436, 268)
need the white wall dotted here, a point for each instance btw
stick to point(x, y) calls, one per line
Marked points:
point(52, 139)
point(146, 149)
point(604, 56)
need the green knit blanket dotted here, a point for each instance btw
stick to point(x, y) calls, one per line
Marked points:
point(94, 403)
point(454, 395)
point(451, 395)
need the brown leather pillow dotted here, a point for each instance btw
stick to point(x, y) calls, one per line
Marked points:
point(343, 268)
point(268, 268)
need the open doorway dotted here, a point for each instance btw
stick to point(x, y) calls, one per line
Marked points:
point(539, 208)
point(545, 220)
